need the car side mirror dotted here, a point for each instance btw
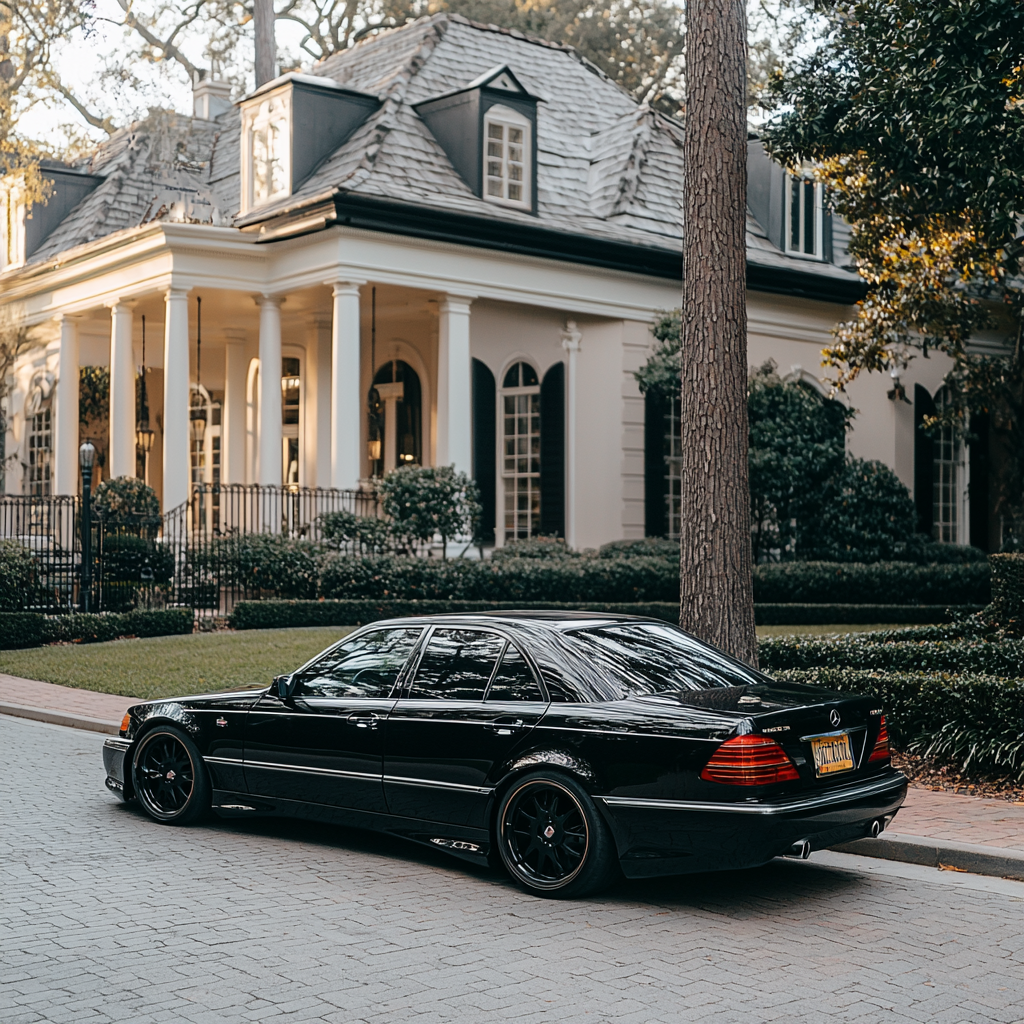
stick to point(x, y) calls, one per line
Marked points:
point(284, 687)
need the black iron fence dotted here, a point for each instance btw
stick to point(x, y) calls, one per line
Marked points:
point(222, 546)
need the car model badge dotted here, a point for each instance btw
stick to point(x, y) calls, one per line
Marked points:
point(222, 721)
point(549, 831)
point(833, 717)
point(170, 775)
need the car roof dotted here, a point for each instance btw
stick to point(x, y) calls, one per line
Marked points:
point(554, 618)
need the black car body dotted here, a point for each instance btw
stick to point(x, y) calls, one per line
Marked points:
point(427, 735)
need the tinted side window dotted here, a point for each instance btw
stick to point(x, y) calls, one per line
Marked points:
point(514, 679)
point(364, 667)
point(456, 665)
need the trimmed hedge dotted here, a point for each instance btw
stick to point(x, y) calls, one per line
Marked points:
point(30, 629)
point(1008, 589)
point(972, 721)
point(880, 583)
point(998, 657)
point(851, 614)
point(17, 573)
point(279, 614)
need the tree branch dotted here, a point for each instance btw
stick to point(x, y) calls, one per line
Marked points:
point(167, 48)
point(104, 124)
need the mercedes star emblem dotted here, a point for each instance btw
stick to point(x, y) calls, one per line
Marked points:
point(833, 717)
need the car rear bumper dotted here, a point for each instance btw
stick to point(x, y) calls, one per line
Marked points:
point(668, 837)
point(115, 752)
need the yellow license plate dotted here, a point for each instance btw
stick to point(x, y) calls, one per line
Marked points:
point(832, 753)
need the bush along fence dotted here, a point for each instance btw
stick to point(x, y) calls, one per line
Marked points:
point(31, 629)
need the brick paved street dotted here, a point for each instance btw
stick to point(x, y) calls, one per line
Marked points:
point(106, 916)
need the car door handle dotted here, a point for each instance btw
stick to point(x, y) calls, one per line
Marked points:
point(505, 727)
point(364, 719)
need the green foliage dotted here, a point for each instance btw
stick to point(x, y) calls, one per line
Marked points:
point(661, 373)
point(1007, 606)
point(538, 547)
point(971, 721)
point(284, 566)
point(797, 453)
point(17, 574)
point(93, 394)
point(275, 614)
point(649, 547)
point(423, 501)
point(30, 629)
point(880, 583)
point(867, 516)
point(855, 614)
point(913, 115)
point(126, 559)
point(126, 501)
point(369, 534)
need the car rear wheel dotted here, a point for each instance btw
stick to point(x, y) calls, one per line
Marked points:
point(551, 838)
point(170, 779)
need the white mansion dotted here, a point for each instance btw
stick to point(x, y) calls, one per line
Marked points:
point(481, 224)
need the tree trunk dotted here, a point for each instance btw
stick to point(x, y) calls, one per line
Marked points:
point(266, 48)
point(716, 586)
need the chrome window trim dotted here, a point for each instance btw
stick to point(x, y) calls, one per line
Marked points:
point(787, 807)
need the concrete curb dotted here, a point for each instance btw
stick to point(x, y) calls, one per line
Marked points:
point(60, 718)
point(938, 853)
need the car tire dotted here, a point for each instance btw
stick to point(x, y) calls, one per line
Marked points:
point(551, 838)
point(169, 777)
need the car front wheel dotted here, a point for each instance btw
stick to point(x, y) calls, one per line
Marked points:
point(170, 780)
point(551, 838)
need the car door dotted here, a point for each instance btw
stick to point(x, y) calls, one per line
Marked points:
point(444, 739)
point(324, 743)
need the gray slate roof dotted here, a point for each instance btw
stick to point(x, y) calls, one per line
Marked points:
point(607, 168)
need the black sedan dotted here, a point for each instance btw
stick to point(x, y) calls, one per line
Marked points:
point(568, 747)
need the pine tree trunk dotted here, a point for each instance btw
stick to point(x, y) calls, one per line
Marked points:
point(716, 586)
point(266, 47)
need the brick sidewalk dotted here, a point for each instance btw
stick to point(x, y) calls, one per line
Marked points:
point(948, 817)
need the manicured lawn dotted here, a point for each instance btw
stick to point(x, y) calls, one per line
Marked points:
point(172, 666)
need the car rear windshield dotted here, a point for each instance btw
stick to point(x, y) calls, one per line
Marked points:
point(650, 657)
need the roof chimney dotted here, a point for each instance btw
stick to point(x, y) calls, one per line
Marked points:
point(211, 96)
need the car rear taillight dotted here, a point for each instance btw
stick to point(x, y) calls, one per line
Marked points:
point(749, 761)
point(880, 752)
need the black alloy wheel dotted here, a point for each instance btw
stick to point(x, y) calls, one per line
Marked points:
point(551, 838)
point(170, 780)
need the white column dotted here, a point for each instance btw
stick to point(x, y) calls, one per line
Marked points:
point(66, 437)
point(176, 468)
point(571, 343)
point(232, 429)
point(454, 388)
point(320, 343)
point(391, 395)
point(271, 465)
point(122, 392)
point(346, 405)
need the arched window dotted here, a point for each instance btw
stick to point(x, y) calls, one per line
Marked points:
point(401, 422)
point(947, 481)
point(520, 406)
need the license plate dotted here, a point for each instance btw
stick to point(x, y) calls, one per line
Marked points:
point(832, 753)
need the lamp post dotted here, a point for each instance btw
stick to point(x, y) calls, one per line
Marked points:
point(86, 458)
point(143, 433)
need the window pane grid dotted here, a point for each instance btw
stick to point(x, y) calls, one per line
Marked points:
point(946, 485)
point(39, 448)
point(505, 159)
point(804, 217)
point(521, 459)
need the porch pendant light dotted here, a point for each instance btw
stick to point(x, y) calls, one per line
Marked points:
point(197, 409)
point(143, 435)
point(375, 407)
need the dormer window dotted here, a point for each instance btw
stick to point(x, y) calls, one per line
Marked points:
point(267, 139)
point(507, 160)
point(804, 235)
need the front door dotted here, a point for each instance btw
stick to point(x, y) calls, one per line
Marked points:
point(473, 699)
point(324, 744)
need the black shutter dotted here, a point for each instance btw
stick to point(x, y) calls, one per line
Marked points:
point(978, 489)
point(552, 452)
point(655, 469)
point(924, 405)
point(484, 446)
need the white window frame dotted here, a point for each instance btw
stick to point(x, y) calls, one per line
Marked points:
point(12, 227)
point(819, 214)
point(262, 116)
point(950, 484)
point(38, 476)
point(506, 118)
point(509, 479)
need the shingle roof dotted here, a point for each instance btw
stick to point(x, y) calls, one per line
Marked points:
point(607, 168)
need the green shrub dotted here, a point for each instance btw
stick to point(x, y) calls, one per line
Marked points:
point(22, 629)
point(1008, 589)
point(280, 614)
point(994, 657)
point(125, 558)
point(17, 574)
point(423, 501)
point(125, 501)
point(285, 566)
point(880, 583)
point(537, 547)
point(649, 547)
point(371, 534)
point(850, 614)
point(970, 721)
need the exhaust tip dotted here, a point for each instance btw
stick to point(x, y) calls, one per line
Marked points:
point(801, 849)
point(875, 828)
